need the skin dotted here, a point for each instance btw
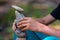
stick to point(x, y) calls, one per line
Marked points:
point(39, 25)
point(46, 20)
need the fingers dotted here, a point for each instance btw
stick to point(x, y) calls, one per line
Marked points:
point(24, 26)
point(24, 19)
point(23, 22)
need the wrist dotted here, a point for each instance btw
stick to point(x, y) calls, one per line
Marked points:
point(42, 28)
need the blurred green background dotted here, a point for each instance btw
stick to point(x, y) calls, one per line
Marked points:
point(32, 8)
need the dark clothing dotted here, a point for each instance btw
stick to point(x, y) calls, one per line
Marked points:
point(56, 12)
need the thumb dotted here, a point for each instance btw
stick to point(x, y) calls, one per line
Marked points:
point(14, 26)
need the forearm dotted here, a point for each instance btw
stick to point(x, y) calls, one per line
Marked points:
point(49, 31)
point(46, 20)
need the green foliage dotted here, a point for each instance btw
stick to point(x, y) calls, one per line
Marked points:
point(29, 11)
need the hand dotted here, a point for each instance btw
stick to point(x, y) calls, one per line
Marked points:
point(29, 24)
